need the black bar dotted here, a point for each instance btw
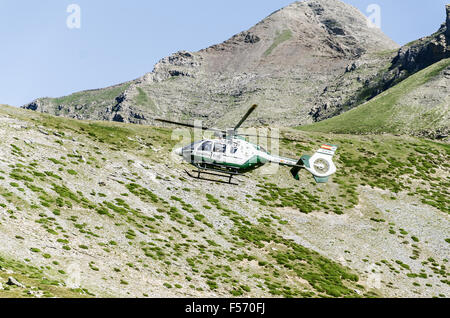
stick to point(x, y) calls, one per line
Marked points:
point(235, 307)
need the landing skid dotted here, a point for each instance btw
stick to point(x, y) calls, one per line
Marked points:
point(197, 174)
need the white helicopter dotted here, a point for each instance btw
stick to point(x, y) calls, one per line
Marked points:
point(231, 155)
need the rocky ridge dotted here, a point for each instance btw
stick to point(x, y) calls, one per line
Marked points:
point(283, 63)
point(397, 66)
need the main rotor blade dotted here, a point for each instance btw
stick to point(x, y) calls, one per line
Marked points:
point(278, 138)
point(189, 125)
point(250, 111)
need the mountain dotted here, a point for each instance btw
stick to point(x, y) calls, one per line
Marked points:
point(100, 209)
point(284, 64)
point(419, 105)
point(408, 60)
point(411, 97)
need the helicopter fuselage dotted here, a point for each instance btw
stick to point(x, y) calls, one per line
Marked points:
point(231, 155)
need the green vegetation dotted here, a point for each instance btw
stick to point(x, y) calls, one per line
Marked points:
point(231, 243)
point(35, 282)
point(284, 36)
point(143, 100)
point(386, 113)
point(72, 172)
point(91, 96)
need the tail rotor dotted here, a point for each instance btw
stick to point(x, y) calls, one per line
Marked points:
point(320, 165)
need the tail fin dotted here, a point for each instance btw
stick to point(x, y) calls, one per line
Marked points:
point(320, 165)
point(301, 163)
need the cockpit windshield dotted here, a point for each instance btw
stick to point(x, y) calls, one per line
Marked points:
point(207, 146)
point(191, 147)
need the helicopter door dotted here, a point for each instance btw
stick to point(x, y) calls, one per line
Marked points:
point(219, 152)
point(205, 150)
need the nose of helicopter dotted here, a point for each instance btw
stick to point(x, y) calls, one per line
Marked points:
point(179, 151)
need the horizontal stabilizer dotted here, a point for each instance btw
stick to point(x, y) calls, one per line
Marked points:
point(327, 150)
point(321, 180)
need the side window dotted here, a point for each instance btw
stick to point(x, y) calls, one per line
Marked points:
point(234, 148)
point(221, 148)
point(207, 146)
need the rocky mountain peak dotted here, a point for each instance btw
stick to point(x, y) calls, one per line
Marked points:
point(294, 35)
point(283, 62)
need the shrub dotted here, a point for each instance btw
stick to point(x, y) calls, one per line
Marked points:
point(72, 172)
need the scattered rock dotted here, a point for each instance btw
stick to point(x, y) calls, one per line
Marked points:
point(13, 282)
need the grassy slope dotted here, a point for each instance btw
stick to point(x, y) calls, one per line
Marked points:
point(196, 240)
point(384, 113)
point(284, 36)
point(52, 196)
point(35, 281)
point(100, 97)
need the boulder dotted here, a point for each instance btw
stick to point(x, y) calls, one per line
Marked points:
point(13, 282)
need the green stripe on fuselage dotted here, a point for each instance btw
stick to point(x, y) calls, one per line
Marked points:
point(253, 163)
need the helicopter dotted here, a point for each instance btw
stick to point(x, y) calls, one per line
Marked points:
point(229, 155)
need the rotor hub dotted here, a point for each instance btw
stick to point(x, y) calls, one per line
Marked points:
point(321, 166)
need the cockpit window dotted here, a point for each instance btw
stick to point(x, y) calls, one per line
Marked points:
point(191, 147)
point(219, 147)
point(207, 146)
point(234, 148)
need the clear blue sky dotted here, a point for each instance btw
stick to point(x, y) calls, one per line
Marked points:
point(120, 40)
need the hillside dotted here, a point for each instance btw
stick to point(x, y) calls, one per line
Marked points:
point(284, 64)
point(98, 209)
point(408, 60)
point(419, 105)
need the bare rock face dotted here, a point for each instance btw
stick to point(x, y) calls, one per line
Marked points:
point(447, 23)
point(284, 63)
point(390, 69)
point(425, 51)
